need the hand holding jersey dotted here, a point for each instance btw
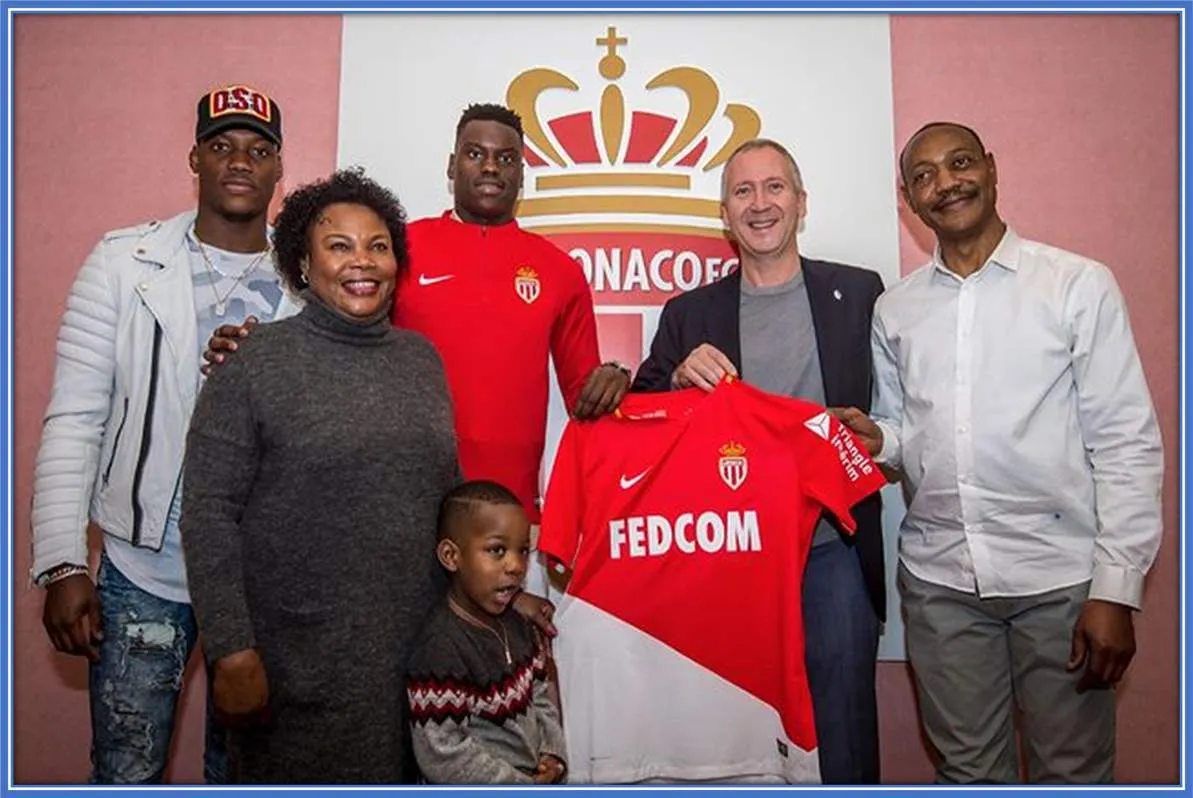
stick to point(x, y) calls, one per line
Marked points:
point(869, 433)
point(602, 391)
point(703, 368)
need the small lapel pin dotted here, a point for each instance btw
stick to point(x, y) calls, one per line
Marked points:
point(837, 294)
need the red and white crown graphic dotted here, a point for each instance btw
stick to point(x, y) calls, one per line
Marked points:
point(620, 161)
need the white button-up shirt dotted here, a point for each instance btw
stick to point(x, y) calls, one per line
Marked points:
point(1015, 404)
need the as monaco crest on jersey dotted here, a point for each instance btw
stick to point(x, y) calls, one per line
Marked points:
point(527, 284)
point(733, 465)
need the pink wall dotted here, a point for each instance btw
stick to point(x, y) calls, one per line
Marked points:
point(1081, 114)
point(1064, 117)
point(104, 111)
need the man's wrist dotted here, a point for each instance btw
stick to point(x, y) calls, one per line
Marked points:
point(59, 572)
point(622, 367)
point(1112, 604)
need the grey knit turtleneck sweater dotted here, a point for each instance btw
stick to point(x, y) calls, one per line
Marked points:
point(315, 463)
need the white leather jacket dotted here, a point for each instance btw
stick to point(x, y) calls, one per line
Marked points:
point(125, 382)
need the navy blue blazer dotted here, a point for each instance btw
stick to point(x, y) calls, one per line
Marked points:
point(842, 299)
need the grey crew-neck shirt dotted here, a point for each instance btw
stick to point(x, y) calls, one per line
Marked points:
point(778, 350)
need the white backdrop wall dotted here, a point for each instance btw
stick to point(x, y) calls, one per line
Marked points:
point(641, 220)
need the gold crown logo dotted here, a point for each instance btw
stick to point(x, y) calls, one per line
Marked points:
point(611, 148)
point(732, 449)
point(527, 272)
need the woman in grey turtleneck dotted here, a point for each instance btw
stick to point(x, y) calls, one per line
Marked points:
point(315, 463)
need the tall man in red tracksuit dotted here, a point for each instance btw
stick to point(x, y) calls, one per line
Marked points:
point(496, 300)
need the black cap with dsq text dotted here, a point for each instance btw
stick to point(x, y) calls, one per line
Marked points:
point(239, 107)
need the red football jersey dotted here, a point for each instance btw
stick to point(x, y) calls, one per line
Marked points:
point(686, 519)
point(496, 302)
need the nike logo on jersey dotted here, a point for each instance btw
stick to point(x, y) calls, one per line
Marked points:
point(425, 280)
point(629, 482)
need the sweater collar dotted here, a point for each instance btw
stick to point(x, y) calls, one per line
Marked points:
point(325, 320)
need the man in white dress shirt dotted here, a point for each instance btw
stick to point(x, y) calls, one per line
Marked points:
point(1009, 392)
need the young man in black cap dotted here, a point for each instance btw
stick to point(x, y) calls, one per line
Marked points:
point(125, 382)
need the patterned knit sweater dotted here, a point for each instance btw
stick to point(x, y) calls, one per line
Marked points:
point(475, 719)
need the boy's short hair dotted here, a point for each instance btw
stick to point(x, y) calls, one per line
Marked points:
point(464, 500)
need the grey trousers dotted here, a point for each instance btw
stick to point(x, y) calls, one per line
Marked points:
point(975, 659)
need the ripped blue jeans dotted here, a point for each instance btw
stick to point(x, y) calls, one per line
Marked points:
point(136, 684)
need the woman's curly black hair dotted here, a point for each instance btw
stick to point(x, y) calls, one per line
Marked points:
point(303, 206)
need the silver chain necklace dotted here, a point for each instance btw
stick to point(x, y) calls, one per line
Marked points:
point(221, 302)
point(468, 617)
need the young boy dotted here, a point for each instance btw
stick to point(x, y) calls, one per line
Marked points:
point(480, 709)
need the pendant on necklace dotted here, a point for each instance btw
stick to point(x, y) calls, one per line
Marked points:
point(219, 309)
point(508, 659)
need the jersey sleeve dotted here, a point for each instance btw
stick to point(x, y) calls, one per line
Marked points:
point(835, 470)
point(559, 534)
point(574, 347)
